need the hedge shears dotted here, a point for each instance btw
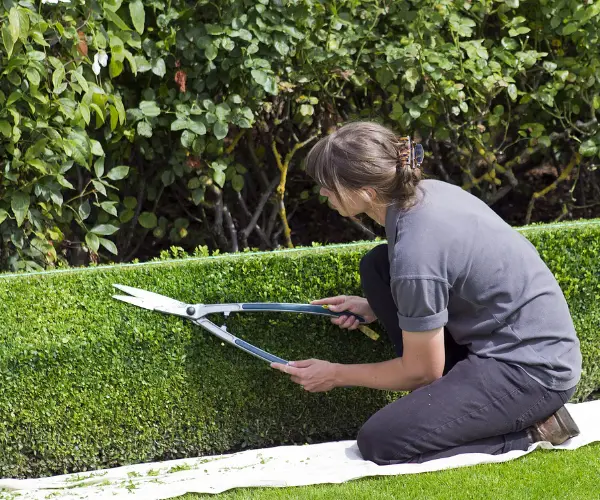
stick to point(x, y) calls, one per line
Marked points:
point(197, 313)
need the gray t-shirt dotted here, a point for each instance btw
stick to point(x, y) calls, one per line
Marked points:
point(454, 262)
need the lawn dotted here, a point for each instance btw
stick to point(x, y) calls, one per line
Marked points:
point(543, 474)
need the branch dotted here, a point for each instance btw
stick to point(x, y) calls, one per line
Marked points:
point(253, 224)
point(563, 175)
point(283, 168)
point(218, 225)
point(233, 144)
point(231, 227)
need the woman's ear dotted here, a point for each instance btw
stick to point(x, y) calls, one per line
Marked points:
point(371, 194)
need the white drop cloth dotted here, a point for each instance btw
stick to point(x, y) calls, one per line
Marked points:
point(334, 462)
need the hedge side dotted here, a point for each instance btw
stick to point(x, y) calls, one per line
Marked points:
point(89, 382)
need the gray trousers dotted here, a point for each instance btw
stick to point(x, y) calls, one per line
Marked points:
point(479, 405)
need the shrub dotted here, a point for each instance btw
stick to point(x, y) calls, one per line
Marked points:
point(127, 127)
point(89, 382)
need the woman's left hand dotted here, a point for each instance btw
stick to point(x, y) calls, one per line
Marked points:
point(315, 375)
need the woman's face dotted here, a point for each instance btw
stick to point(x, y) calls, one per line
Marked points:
point(354, 206)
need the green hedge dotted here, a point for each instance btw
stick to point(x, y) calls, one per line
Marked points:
point(89, 382)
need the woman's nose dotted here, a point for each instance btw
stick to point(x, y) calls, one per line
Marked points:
point(324, 192)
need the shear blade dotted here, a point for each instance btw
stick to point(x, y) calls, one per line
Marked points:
point(136, 301)
point(150, 300)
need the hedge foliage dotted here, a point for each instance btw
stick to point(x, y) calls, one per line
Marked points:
point(129, 126)
point(89, 382)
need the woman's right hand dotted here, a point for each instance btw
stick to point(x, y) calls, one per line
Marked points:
point(352, 303)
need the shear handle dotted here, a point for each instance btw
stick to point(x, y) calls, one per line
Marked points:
point(298, 308)
point(239, 343)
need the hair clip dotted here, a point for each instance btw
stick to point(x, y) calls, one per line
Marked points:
point(413, 155)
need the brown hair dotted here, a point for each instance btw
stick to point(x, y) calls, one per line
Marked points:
point(364, 154)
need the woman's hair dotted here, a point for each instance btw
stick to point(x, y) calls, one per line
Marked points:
point(365, 154)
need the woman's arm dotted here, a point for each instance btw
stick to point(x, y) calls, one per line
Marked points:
point(422, 362)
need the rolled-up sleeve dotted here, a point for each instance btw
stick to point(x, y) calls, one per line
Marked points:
point(422, 302)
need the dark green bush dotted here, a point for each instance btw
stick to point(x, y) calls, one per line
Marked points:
point(176, 140)
point(89, 382)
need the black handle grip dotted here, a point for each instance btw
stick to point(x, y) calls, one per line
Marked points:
point(298, 308)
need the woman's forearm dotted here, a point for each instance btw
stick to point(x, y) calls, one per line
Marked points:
point(389, 375)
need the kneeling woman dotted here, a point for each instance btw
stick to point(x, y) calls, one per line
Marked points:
point(483, 334)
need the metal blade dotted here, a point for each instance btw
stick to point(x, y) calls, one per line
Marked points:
point(136, 301)
point(153, 299)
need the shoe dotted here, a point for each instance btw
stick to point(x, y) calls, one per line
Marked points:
point(555, 429)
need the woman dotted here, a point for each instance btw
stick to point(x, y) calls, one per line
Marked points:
point(483, 333)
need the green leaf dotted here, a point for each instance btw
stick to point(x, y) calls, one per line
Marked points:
point(33, 76)
point(19, 203)
point(99, 167)
point(282, 47)
point(92, 241)
point(306, 110)
point(118, 173)
point(130, 202)
point(109, 207)
point(114, 117)
point(64, 182)
point(512, 91)
point(220, 130)
point(144, 129)
point(3, 215)
point(85, 112)
point(7, 40)
point(126, 215)
point(222, 111)
point(132, 62)
point(23, 24)
point(115, 67)
point(219, 177)
point(36, 55)
point(588, 148)
point(228, 44)
point(57, 77)
point(84, 210)
point(168, 177)
point(187, 139)
point(120, 109)
point(96, 148)
point(570, 28)
point(80, 80)
point(195, 126)
point(109, 245)
point(5, 128)
point(260, 77)
point(14, 24)
point(237, 182)
point(138, 15)
point(99, 186)
point(117, 20)
point(105, 229)
point(159, 68)
point(211, 52)
point(149, 108)
point(148, 220)
point(521, 30)
point(198, 196)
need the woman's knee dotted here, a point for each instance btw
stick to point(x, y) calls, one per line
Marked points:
point(375, 443)
point(369, 443)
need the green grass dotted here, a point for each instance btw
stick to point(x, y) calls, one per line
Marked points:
point(543, 474)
